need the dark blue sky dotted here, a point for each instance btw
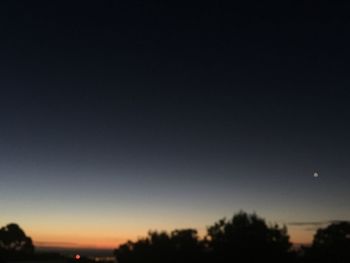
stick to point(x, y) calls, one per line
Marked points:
point(157, 115)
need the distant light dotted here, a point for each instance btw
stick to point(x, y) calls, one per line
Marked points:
point(316, 174)
point(77, 257)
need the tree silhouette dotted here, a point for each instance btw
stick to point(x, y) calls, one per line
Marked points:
point(178, 246)
point(247, 238)
point(14, 240)
point(331, 244)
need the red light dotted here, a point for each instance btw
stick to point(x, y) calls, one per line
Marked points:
point(77, 257)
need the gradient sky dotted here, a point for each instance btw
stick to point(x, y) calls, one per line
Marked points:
point(117, 118)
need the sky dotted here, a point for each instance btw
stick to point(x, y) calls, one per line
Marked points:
point(121, 117)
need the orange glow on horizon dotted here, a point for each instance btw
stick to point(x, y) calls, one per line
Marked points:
point(298, 236)
point(109, 234)
point(83, 244)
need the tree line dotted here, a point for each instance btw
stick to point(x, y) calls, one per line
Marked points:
point(243, 238)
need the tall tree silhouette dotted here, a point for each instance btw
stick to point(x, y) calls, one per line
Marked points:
point(247, 238)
